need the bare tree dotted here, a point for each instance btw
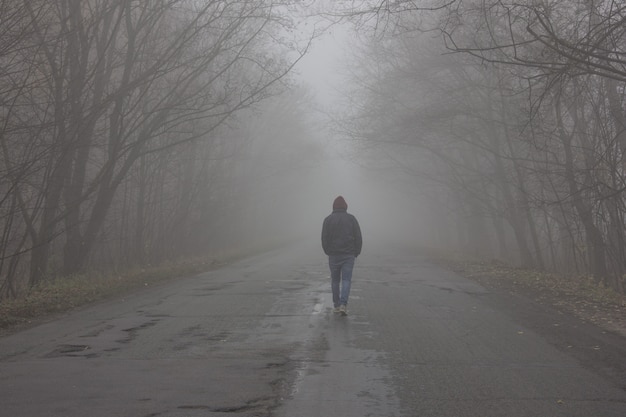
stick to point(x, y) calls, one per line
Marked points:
point(531, 132)
point(91, 88)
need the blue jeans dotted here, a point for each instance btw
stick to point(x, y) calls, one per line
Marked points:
point(341, 277)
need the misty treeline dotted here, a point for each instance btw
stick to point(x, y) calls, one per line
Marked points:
point(118, 126)
point(511, 119)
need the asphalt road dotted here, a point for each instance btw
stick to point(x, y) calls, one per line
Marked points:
point(258, 338)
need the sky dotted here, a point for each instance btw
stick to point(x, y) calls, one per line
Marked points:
point(321, 69)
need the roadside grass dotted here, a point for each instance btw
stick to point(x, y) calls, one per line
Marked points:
point(581, 296)
point(64, 294)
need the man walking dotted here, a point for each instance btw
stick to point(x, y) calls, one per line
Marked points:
point(341, 241)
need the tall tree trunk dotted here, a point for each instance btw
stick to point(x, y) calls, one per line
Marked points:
point(513, 215)
point(60, 161)
point(83, 122)
point(593, 235)
point(139, 246)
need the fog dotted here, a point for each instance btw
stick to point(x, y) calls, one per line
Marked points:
point(292, 203)
point(167, 130)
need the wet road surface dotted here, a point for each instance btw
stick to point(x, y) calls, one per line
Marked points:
point(258, 338)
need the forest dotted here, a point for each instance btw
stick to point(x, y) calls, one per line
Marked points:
point(138, 131)
point(510, 117)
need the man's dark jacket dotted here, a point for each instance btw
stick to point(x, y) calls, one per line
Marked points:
point(341, 234)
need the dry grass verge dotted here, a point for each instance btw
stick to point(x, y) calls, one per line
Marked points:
point(577, 295)
point(65, 294)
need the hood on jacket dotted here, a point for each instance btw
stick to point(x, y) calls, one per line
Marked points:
point(340, 204)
